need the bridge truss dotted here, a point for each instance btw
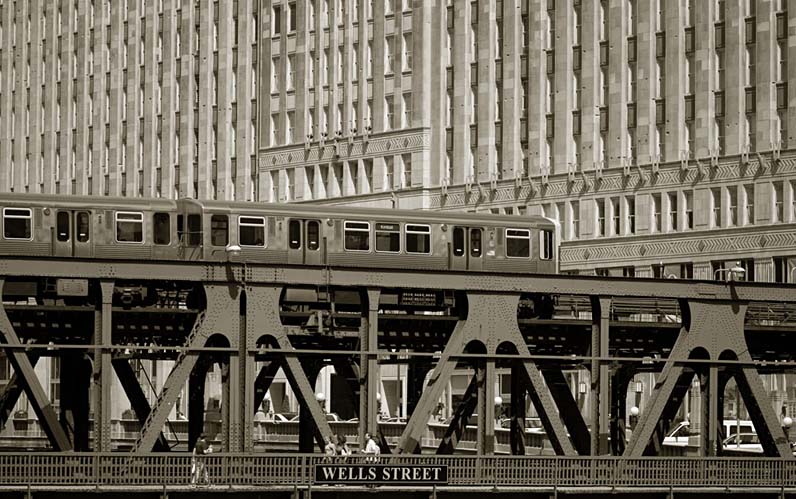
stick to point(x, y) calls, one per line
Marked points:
point(300, 319)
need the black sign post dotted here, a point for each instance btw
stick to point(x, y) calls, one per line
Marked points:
point(393, 474)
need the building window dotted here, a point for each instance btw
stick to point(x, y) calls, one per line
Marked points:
point(276, 20)
point(716, 204)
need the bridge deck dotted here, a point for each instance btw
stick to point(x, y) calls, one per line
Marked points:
point(287, 471)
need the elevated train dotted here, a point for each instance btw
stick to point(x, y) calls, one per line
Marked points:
point(109, 228)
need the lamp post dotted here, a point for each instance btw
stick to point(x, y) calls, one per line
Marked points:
point(498, 405)
point(634, 411)
point(787, 422)
point(730, 274)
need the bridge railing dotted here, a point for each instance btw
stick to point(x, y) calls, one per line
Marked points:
point(117, 469)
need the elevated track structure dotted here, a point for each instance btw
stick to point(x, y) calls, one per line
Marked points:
point(301, 317)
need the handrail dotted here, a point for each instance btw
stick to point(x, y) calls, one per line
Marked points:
point(173, 470)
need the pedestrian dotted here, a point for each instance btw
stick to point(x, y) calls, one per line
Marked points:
point(198, 464)
point(342, 448)
point(372, 450)
point(331, 448)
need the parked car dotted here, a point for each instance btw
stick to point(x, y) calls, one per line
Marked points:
point(743, 442)
point(682, 432)
point(279, 417)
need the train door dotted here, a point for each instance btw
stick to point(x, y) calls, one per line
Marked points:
point(73, 233)
point(467, 248)
point(304, 242)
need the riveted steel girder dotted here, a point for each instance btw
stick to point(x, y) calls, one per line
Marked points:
point(11, 393)
point(459, 420)
point(492, 321)
point(33, 389)
point(216, 319)
point(132, 388)
point(712, 330)
point(398, 278)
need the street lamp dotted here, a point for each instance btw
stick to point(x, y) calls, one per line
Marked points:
point(321, 398)
point(787, 421)
point(731, 273)
point(498, 405)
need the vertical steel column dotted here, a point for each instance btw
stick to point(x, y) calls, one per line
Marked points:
point(710, 400)
point(601, 309)
point(518, 390)
point(103, 371)
point(240, 379)
point(486, 418)
point(75, 385)
point(480, 406)
point(369, 367)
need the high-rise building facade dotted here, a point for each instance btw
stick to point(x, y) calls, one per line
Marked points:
point(656, 132)
point(129, 97)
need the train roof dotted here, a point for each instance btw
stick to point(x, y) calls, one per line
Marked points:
point(101, 202)
point(323, 211)
point(304, 210)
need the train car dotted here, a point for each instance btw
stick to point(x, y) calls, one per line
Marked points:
point(194, 230)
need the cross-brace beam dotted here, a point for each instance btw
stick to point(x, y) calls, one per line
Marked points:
point(485, 311)
point(132, 388)
point(459, 420)
point(711, 330)
point(10, 394)
point(262, 383)
point(569, 410)
point(44, 410)
point(186, 360)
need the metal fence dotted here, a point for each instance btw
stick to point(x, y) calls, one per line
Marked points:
point(117, 469)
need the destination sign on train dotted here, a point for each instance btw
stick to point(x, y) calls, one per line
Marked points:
point(380, 473)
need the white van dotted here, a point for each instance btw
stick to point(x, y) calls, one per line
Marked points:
point(680, 434)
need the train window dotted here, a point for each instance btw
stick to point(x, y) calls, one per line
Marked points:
point(17, 223)
point(129, 227)
point(418, 238)
point(388, 238)
point(251, 231)
point(475, 243)
point(62, 226)
point(357, 236)
point(546, 240)
point(294, 234)
point(82, 229)
point(162, 228)
point(194, 230)
point(518, 243)
point(458, 241)
point(219, 230)
point(313, 235)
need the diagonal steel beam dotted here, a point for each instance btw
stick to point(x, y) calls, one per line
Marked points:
point(11, 393)
point(263, 382)
point(416, 426)
point(132, 388)
point(179, 374)
point(765, 420)
point(619, 384)
point(664, 387)
point(303, 390)
point(544, 404)
point(44, 410)
point(459, 420)
point(196, 399)
point(568, 409)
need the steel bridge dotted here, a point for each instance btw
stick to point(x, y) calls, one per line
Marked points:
point(299, 319)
